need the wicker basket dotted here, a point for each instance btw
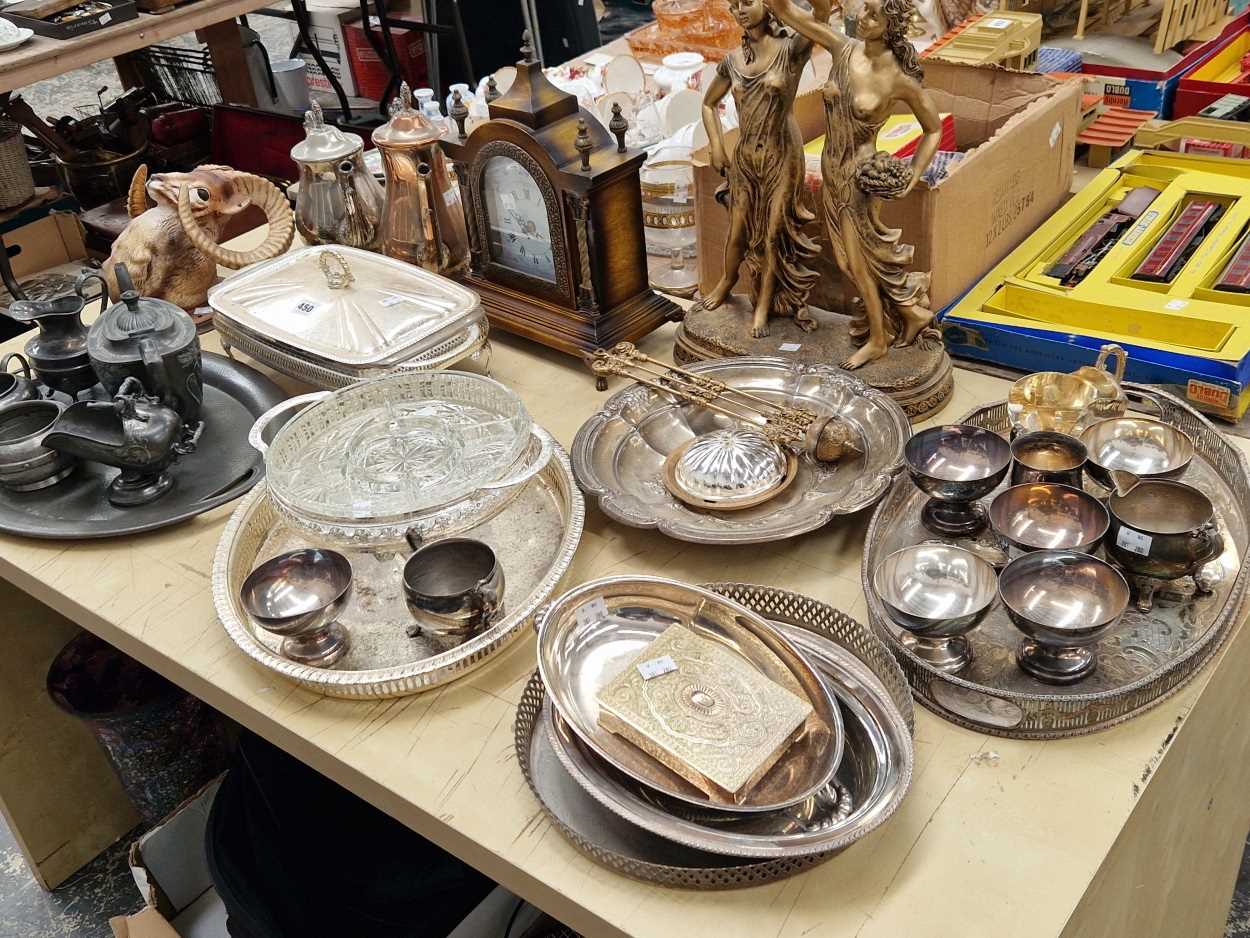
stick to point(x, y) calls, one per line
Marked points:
point(16, 183)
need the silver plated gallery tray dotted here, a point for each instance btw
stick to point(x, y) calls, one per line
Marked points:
point(534, 536)
point(620, 452)
point(469, 350)
point(223, 467)
point(1143, 659)
point(658, 841)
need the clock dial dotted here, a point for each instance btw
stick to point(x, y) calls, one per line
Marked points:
point(516, 216)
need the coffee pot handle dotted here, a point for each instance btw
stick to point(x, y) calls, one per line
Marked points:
point(1210, 542)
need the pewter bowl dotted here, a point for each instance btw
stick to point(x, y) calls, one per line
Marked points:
point(1063, 601)
point(1149, 449)
point(728, 470)
point(938, 593)
point(620, 452)
point(592, 633)
point(1043, 516)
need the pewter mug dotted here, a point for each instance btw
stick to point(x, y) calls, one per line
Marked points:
point(14, 388)
point(454, 587)
point(1163, 529)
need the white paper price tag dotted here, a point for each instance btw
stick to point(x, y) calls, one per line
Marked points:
point(681, 193)
point(789, 346)
point(1133, 541)
point(590, 613)
point(393, 300)
point(304, 306)
point(106, 19)
point(657, 666)
point(998, 23)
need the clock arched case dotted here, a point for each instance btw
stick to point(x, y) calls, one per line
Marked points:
point(557, 250)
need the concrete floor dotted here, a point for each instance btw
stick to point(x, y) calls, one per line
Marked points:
point(82, 908)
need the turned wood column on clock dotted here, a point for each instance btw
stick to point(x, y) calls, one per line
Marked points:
point(225, 44)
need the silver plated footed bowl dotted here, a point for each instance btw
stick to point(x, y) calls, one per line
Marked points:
point(619, 454)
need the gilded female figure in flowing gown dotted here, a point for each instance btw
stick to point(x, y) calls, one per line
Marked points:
point(870, 75)
point(766, 170)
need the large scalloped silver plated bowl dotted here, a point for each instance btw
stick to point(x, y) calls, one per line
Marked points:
point(619, 453)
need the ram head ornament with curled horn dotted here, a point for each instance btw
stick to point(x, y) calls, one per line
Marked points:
point(171, 248)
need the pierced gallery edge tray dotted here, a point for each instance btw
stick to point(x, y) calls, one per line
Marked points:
point(1143, 659)
point(534, 537)
point(876, 704)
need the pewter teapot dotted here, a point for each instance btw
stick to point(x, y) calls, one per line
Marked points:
point(153, 341)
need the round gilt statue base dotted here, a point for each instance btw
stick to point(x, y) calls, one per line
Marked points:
point(919, 377)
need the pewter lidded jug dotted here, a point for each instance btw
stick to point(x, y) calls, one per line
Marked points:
point(153, 341)
point(339, 200)
point(423, 221)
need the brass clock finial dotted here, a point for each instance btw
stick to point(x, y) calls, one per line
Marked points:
point(527, 47)
point(583, 144)
point(492, 89)
point(618, 125)
point(458, 112)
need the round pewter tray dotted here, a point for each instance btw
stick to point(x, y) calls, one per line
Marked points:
point(223, 467)
point(619, 453)
point(1142, 660)
point(869, 674)
point(534, 537)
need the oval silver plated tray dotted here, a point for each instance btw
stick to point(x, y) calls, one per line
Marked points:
point(619, 453)
point(1144, 658)
point(534, 537)
point(579, 654)
point(871, 782)
point(223, 467)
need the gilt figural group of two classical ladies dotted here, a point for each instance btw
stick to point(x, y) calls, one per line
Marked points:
point(871, 74)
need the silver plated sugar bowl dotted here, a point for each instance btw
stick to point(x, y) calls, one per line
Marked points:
point(1063, 601)
point(938, 593)
point(299, 595)
point(1041, 516)
point(955, 465)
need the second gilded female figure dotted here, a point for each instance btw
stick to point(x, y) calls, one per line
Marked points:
point(871, 75)
point(765, 172)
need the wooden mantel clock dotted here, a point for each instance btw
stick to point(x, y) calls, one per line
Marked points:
point(554, 211)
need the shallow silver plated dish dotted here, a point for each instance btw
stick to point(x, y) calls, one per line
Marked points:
point(534, 536)
point(1144, 657)
point(593, 632)
point(871, 782)
point(619, 453)
point(877, 699)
